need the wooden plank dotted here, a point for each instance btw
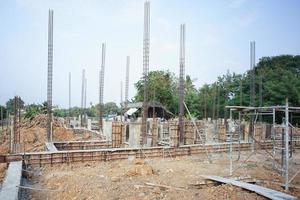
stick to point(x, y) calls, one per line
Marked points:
point(266, 192)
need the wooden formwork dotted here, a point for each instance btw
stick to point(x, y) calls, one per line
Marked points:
point(82, 145)
point(117, 134)
point(154, 132)
point(51, 158)
point(174, 133)
point(222, 132)
point(190, 133)
point(258, 131)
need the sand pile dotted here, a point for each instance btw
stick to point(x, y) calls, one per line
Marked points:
point(33, 133)
point(140, 168)
point(4, 149)
point(41, 122)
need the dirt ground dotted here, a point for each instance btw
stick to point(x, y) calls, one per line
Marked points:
point(159, 178)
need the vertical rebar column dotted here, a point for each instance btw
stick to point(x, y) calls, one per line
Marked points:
point(230, 147)
point(146, 50)
point(15, 136)
point(50, 75)
point(241, 92)
point(16, 124)
point(252, 89)
point(181, 83)
point(19, 122)
point(286, 147)
point(252, 71)
point(1, 118)
point(218, 102)
point(205, 105)
point(274, 137)
point(214, 103)
point(121, 100)
point(101, 87)
point(69, 98)
point(260, 94)
point(82, 97)
point(84, 102)
point(127, 81)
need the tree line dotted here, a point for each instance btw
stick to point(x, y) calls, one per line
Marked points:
point(275, 78)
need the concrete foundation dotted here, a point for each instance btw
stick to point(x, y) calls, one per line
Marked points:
point(12, 181)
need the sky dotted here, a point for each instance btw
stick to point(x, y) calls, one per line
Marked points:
point(218, 35)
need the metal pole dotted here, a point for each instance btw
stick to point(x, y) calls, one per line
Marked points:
point(286, 168)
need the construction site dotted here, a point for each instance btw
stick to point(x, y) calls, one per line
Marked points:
point(147, 151)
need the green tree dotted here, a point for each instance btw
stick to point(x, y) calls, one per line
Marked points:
point(110, 108)
point(10, 105)
point(162, 87)
point(32, 110)
point(2, 112)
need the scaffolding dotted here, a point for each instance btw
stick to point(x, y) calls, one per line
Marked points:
point(281, 135)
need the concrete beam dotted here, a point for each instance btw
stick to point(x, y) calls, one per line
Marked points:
point(10, 187)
